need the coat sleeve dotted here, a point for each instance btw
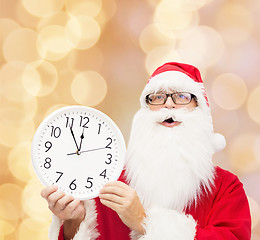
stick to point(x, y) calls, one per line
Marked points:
point(229, 216)
point(87, 229)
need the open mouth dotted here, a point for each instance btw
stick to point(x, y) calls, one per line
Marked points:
point(169, 122)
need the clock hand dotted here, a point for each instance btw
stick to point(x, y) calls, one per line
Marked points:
point(72, 133)
point(81, 138)
point(90, 150)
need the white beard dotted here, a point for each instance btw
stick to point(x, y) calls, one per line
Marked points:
point(168, 167)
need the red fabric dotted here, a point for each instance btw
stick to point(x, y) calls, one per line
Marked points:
point(222, 214)
point(187, 69)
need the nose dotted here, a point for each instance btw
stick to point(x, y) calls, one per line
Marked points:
point(169, 103)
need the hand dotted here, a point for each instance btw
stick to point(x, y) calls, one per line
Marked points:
point(81, 138)
point(72, 133)
point(63, 206)
point(90, 150)
point(125, 201)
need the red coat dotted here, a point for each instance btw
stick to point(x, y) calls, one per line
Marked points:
point(222, 214)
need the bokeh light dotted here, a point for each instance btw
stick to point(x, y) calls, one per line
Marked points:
point(19, 160)
point(229, 91)
point(241, 154)
point(235, 22)
point(43, 8)
point(205, 49)
point(255, 210)
point(90, 8)
point(52, 43)
point(172, 15)
point(82, 32)
point(20, 45)
point(151, 38)
point(88, 88)
point(253, 105)
point(11, 81)
point(33, 204)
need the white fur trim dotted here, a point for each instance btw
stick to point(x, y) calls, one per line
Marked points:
point(219, 142)
point(87, 229)
point(177, 81)
point(167, 224)
point(55, 228)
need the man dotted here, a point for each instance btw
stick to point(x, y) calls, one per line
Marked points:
point(170, 188)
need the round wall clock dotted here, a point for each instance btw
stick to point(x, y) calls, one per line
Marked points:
point(79, 149)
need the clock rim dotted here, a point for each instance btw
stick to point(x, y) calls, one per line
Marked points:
point(56, 113)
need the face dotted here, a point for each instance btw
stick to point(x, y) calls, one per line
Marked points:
point(171, 105)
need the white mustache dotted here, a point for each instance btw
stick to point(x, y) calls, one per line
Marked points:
point(176, 114)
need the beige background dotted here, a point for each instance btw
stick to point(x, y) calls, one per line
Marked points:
point(100, 54)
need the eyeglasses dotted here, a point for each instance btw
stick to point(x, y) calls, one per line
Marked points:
point(179, 98)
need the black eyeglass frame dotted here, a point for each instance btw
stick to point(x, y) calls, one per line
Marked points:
point(173, 99)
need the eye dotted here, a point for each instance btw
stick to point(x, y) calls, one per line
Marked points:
point(158, 97)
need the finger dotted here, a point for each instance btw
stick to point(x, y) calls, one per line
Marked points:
point(71, 207)
point(64, 201)
point(109, 204)
point(48, 191)
point(118, 184)
point(115, 190)
point(112, 198)
point(54, 198)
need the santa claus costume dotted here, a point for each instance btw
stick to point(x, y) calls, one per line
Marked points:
point(184, 195)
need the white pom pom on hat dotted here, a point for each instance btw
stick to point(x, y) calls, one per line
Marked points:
point(183, 78)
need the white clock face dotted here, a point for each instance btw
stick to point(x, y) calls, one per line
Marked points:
point(79, 149)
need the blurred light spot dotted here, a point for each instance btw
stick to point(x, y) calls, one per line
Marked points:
point(90, 8)
point(12, 134)
point(253, 105)
point(33, 227)
point(23, 16)
point(222, 121)
point(88, 88)
point(185, 5)
point(6, 27)
point(33, 204)
point(229, 91)
point(59, 19)
point(41, 79)
point(151, 38)
point(235, 22)
point(171, 16)
point(17, 112)
point(153, 3)
point(54, 108)
point(82, 32)
point(8, 211)
point(31, 80)
point(205, 49)
point(78, 60)
point(18, 161)
point(108, 10)
point(43, 8)
point(159, 56)
point(6, 227)
point(241, 153)
point(52, 43)
point(257, 148)
point(11, 82)
point(255, 211)
point(20, 45)
point(12, 193)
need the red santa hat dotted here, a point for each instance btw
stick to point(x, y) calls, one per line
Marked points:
point(181, 77)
